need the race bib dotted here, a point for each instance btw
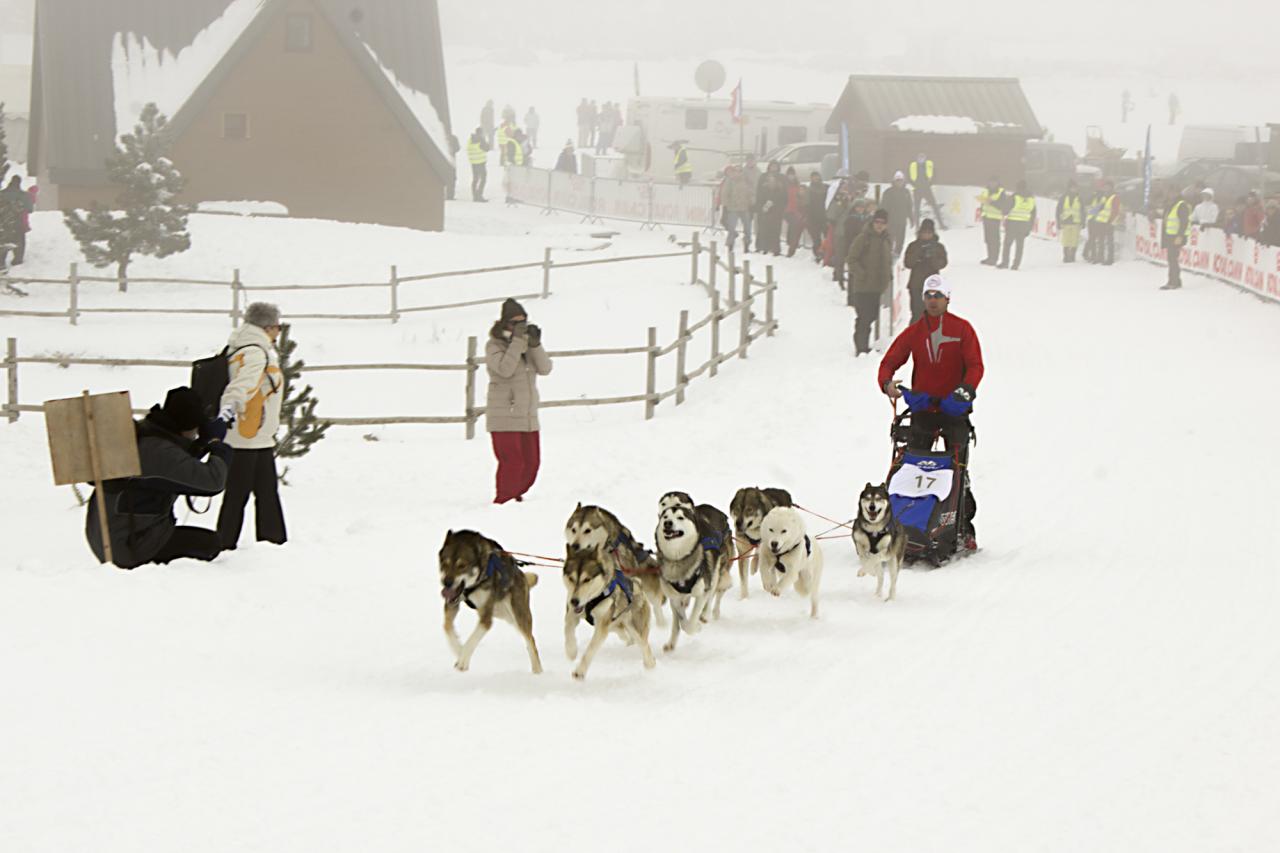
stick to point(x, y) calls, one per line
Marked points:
point(911, 481)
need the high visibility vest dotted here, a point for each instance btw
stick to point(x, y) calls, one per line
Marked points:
point(1172, 226)
point(1022, 207)
point(1104, 214)
point(682, 164)
point(517, 153)
point(1071, 211)
point(476, 153)
point(915, 171)
point(989, 209)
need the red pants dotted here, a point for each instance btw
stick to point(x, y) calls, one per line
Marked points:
point(518, 457)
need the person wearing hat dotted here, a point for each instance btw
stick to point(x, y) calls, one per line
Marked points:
point(173, 440)
point(771, 207)
point(568, 160)
point(897, 200)
point(1206, 212)
point(251, 404)
point(946, 368)
point(925, 256)
point(815, 213)
point(1070, 217)
point(478, 157)
point(737, 198)
point(870, 262)
point(514, 358)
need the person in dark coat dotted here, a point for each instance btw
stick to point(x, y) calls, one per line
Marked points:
point(15, 208)
point(797, 198)
point(897, 200)
point(815, 217)
point(172, 441)
point(870, 263)
point(925, 256)
point(771, 206)
point(567, 161)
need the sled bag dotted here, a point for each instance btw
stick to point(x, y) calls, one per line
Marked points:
point(921, 483)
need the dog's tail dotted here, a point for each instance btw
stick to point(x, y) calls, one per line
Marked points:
point(530, 579)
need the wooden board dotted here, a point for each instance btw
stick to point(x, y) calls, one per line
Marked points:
point(67, 425)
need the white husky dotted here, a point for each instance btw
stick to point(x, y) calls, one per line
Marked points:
point(790, 556)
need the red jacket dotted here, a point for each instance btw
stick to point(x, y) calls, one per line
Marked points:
point(1251, 221)
point(944, 355)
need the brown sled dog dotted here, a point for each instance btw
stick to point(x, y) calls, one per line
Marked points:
point(475, 571)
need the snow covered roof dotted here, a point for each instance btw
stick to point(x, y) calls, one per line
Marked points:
point(98, 63)
point(938, 105)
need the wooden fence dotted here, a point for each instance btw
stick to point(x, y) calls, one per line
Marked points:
point(239, 293)
point(743, 295)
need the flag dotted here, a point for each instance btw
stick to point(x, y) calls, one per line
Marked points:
point(1146, 172)
point(735, 103)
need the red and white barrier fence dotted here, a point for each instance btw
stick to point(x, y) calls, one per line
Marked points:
point(1238, 261)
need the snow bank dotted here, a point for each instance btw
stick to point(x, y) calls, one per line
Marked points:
point(244, 208)
point(141, 73)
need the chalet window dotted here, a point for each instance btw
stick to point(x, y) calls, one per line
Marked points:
point(235, 126)
point(297, 33)
point(788, 135)
point(695, 119)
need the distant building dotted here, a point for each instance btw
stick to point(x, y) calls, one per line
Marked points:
point(971, 127)
point(334, 109)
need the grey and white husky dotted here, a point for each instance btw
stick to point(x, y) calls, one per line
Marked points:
point(692, 557)
point(879, 538)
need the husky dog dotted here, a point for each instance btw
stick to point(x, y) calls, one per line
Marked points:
point(605, 597)
point(717, 522)
point(749, 507)
point(790, 555)
point(692, 556)
point(879, 538)
point(476, 571)
point(596, 529)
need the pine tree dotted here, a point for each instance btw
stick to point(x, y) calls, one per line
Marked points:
point(297, 409)
point(146, 220)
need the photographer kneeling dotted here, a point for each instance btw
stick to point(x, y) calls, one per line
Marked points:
point(172, 439)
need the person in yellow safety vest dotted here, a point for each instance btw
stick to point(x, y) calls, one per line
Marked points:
point(1101, 248)
point(1070, 216)
point(478, 157)
point(1017, 225)
point(1176, 223)
point(683, 168)
point(501, 139)
point(995, 202)
point(921, 174)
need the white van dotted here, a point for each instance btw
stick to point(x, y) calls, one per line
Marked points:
point(1212, 141)
point(710, 133)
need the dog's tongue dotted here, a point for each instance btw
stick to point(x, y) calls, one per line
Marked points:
point(449, 593)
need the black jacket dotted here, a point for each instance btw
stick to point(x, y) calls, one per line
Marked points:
point(816, 214)
point(771, 192)
point(140, 509)
point(924, 258)
point(897, 201)
point(567, 162)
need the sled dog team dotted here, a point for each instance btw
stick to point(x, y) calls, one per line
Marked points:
point(616, 584)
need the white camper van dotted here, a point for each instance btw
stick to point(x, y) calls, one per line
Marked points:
point(711, 134)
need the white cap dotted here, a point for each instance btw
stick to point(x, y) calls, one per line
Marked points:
point(1207, 191)
point(936, 282)
point(898, 176)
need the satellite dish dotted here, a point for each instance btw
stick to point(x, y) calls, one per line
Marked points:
point(709, 76)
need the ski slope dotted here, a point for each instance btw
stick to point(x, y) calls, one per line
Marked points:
point(1101, 676)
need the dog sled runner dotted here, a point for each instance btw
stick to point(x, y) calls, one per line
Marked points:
point(930, 496)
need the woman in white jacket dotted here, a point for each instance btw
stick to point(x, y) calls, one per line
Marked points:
point(251, 404)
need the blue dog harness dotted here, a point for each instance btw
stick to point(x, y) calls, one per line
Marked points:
point(619, 581)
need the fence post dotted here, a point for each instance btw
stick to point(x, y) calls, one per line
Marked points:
point(744, 333)
point(711, 276)
point(235, 298)
point(746, 280)
point(546, 272)
point(73, 309)
point(768, 300)
point(681, 381)
point(733, 277)
point(11, 364)
point(715, 332)
point(471, 387)
point(651, 375)
point(395, 295)
point(694, 251)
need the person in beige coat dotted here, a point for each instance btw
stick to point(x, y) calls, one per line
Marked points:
point(515, 359)
point(251, 404)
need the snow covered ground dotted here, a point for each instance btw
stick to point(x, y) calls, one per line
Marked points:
point(1102, 676)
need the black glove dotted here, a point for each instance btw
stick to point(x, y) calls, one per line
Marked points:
point(213, 430)
point(965, 393)
point(520, 329)
point(535, 336)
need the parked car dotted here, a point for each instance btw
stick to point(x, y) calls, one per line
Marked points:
point(807, 157)
point(1048, 166)
point(1184, 173)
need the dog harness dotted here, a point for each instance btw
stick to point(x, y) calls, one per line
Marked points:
point(876, 538)
point(619, 582)
point(711, 543)
point(808, 551)
point(638, 551)
point(495, 570)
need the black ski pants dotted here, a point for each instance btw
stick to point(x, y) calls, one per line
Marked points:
point(1175, 265)
point(1015, 237)
point(924, 192)
point(479, 175)
point(195, 543)
point(991, 231)
point(252, 472)
point(868, 307)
